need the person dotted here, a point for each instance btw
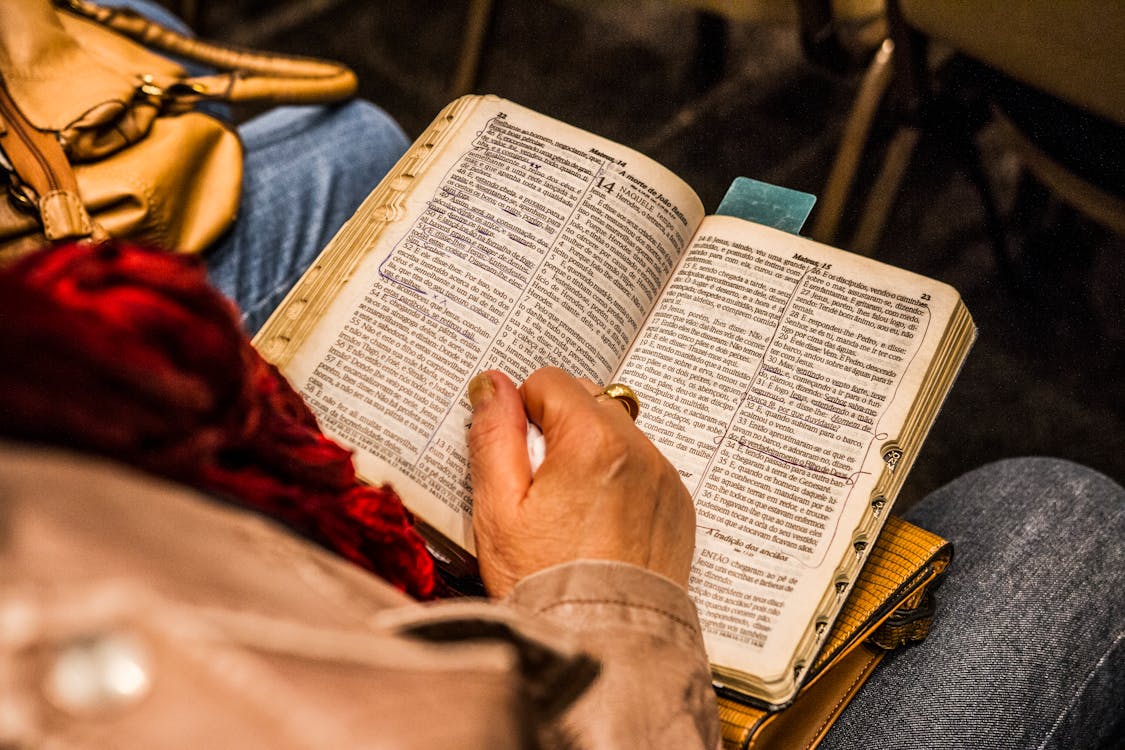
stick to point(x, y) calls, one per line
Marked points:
point(135, 611)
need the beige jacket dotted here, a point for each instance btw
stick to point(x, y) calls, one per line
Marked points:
point(138, 614)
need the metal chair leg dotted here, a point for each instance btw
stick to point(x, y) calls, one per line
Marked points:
point(852, 143)
point(477, 21)
point(884, 191)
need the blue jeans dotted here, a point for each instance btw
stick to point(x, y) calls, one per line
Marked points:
point(1028, 646)
point(306, 170)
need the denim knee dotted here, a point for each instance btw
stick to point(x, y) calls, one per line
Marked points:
point(357, 129)
point(1018, 493)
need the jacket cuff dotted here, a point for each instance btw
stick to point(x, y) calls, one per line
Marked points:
point(654, 690)
point(589, 595)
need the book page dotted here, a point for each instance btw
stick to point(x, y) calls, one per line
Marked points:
point(773, 373)
point(525, 243)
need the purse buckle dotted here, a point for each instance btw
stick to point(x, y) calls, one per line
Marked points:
point(906, 625)
point(21, 195)
point(179, 91)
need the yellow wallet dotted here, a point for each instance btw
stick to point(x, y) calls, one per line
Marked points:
point(890, 605)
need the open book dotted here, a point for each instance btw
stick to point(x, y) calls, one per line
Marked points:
point(790, 383)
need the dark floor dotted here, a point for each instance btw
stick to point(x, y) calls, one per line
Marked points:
point(1046, 376)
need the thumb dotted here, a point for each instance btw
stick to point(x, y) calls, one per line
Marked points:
point(498, 462)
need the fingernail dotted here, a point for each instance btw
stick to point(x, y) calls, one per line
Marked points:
point(480, 389)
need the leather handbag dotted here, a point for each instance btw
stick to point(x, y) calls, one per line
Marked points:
point(890, 606)
point(100, 129)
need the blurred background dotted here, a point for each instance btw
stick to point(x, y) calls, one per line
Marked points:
point(957, 114)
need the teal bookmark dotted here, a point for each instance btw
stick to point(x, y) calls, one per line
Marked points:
point(763, 203)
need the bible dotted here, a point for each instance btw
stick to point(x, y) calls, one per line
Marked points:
point(790, 383)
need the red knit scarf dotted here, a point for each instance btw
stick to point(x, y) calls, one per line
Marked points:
point(132, 354)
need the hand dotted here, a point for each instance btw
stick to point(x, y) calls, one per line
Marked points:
point(603, 492)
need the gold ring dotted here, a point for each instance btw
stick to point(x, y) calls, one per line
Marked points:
point(624, 395)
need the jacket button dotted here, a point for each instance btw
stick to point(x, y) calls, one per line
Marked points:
point(98, 673)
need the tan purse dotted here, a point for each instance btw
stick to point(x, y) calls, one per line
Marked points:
point(890, 605)
point(100, 135)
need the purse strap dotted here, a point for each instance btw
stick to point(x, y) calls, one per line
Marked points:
point(248, 76)
point(39, 175)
